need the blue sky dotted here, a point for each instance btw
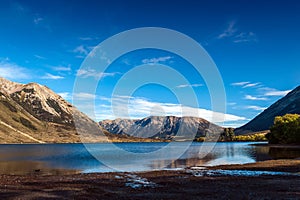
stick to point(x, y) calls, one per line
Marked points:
point(254, 44)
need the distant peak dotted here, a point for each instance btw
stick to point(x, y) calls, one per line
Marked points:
point(8, 86)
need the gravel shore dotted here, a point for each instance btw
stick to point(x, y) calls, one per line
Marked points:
point(180, 184)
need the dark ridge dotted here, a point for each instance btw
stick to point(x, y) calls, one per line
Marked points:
point(288, 104)
point(9, 106)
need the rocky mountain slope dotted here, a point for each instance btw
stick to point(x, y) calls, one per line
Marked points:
point(288, 104)
point(32, 113)
point(169, 127)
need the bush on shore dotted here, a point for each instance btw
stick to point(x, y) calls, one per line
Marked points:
point(286, 130)
point(229, 136)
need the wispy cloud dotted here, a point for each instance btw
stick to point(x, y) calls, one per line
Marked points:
point(231, 103)
point(84, 96)
point(39, 57)
point(189, 85)
point(250, 97)
point(52, 77)
point(250, 85)
point(101, 53)
point(62, 68)
point(229, 31)
point(257, 108)
point(245, 37)
point(156, 60)
point(85, 73)
point(235, 124)
point(78, 96)
point(240, 83)
point(65, 95)
point(126, 61)
point(136, 107)
point(37, 20)
point(236, 35)
point(267, 91)
point(12, 71)
point(82, 50)
point(88, 38)
point(93, 51)
point(277, 93)
point(245, 84)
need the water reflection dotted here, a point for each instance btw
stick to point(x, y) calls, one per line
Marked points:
point(284, 153)
point(31, 167)
point(74, 158)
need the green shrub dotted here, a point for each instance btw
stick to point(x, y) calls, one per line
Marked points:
point(286, 130)
point(254, 137)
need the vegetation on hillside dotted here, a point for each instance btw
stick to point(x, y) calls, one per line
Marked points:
point(260, 136)
point(286, 130)
point(228, 135)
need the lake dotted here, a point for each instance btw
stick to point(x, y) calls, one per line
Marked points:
point(75, 158)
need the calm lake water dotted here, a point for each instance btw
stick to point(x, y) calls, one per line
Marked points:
point(74, 158)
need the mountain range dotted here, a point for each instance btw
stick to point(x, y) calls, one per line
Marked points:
point(162, 127)
point(33, 113)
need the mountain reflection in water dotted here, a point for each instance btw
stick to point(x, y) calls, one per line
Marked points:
point(74, 158)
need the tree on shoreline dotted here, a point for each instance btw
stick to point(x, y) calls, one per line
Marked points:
point(227, 135)
point(286, 130)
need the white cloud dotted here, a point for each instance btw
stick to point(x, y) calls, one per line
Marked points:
point(62, 68)
point(85, 73)
point(80, 56)
point(126, 61)
point(229, 31)
point(240, 83)
point(277, 93)
point(257, 108)
point(189, 85)
point(135, 107)
point(245, 37)
point(245, 84)
point(103, 55)
point(231, 103)
point(88, 38)
point(250, 85)
point(12, 71)
point(250, 97)
point(37, 20)
point(84, 96)
point(235, 124)
point(65, 95)
point(156, 60)
point(273, 92)
point(52, 77)
point(237, 36)
point(96, 50)
point(39, 57)
point(81, 50)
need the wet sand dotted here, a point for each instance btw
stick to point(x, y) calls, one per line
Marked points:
point(158, 184)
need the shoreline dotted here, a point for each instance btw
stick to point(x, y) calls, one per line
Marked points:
point(166, 184)
point(294, 146)
point(48, 143)
point(281, 165)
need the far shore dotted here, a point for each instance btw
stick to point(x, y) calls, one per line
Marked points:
point(134, 141)
point(172, 184)
point(296, 146)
